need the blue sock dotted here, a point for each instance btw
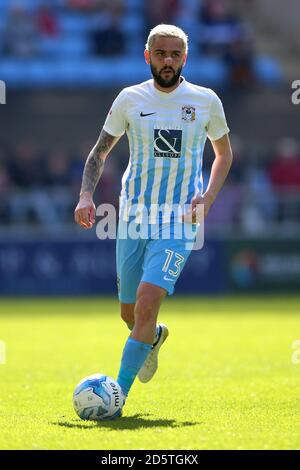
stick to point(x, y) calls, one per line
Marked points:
point(134, 356)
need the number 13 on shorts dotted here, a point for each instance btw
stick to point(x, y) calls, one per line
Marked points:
point(176, 259)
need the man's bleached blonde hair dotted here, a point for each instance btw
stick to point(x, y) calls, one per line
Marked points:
point(167, 31)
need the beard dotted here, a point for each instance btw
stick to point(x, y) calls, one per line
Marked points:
point(161, 81)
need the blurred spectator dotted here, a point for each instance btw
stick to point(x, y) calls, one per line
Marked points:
point(58, 168)
point(47, 21)
point(285, 176)
point(6, 187)
point(5, 180)
point(259, 201)
point(85, 5)
point(224, 35)
point(239, 58)
point(187, 18)
point(227, 208)
point(29, 201)
point(238, 167)
point(285, 168)
point(220, 26)
point(20, 35)
point(107, 36)
point(160, 11)
point(58, 182)
point(27, 167)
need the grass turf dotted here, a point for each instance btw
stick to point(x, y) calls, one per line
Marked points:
point(226, 379)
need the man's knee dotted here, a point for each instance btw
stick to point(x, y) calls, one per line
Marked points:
point(144, 306)
point(127, 313)
point(148, 301)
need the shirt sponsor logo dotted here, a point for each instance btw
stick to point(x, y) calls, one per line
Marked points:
point(167, 143)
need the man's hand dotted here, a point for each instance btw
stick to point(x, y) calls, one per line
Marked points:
point(204, 199)
point(219, 171)
point(85, 211)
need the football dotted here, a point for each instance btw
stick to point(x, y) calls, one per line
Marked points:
point(98, 397)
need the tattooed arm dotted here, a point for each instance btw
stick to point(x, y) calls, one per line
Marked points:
point(85, 210)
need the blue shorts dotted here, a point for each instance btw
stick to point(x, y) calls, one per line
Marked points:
point(157, 255)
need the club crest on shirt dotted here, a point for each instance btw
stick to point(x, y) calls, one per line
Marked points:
point(188, 113)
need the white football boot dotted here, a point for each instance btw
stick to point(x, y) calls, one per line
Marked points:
point(151, 363)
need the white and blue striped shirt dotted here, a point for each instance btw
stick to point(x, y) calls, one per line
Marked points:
point(167, 134)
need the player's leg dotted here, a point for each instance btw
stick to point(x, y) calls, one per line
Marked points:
point(139, 344)
point(148, 301)
point(163, 265)
point(129, 257)
point(161, 333)
point(159, 277)
point(127, 314)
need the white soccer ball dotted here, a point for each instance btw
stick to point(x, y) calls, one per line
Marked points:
point(98, 397)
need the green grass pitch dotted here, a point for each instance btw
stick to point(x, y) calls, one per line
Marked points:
point(226, 378)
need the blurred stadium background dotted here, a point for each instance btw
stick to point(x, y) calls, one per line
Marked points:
point(64, 61)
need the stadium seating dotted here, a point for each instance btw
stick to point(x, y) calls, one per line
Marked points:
point(64, 58)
